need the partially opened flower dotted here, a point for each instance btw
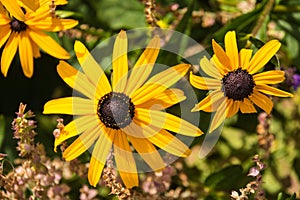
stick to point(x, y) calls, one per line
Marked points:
point(24, 29)
point(126, 114)
point(235, 80)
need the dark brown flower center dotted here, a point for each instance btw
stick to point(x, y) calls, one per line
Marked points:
point(115, 110)
point(17, 26)
point(238, 84)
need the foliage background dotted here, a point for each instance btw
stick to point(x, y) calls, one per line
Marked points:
point(225, 169)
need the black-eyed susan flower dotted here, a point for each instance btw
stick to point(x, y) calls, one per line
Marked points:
point(26, 31)
point(126, 114)
point(235, 80)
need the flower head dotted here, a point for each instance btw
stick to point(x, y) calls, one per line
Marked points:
point(235, 81)
point(124, 114)
point(23, 28)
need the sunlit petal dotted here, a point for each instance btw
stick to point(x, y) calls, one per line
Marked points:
point(221, 55)
point(120, 62)
point(15, 10)
point(205, 83)
point(262, 101)
point(263, 55)
point(209, 68)
point(273, 91)
point(26, 54)
point(269, 77)
point(125, 161)
point(9, 52)
point(143, 66)
point(244, 58)
point(247, 106)
point(159, 83)
point(232, 49)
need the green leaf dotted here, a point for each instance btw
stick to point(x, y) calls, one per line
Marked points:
point(226, 178)
point(118, 14)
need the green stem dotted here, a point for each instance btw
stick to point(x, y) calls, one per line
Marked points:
point(267, 9)
point(286, 9)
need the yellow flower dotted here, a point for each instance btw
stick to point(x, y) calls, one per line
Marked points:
point(128, 110)
point(234, 80)
point(26, 31)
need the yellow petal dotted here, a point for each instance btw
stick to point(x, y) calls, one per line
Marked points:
point(273, 91)
point(48, 44)
point(9, 52)
point(26, 55)
point(75, 79)
point(70, 106)
point(76, 127)
point(269, 77)
point(164, 100)
point(14, 9)
point(148, 152)
point(262, 101)
point(210, 69)
point(171, 144)
point(232, 49)
point(205, 83)
point(245, 56)
point(52, 24)
point(5, 32)
point(219, 65)
point(120, 62)
point(159, 83)
point(218, 117)
point(4, 20)
point(82, 143)
point(263, 55)
point(33, 4)
point(35, 50)
point(222, 56)
point(247, 106)
point(167, 121)
point(143, 66)
point(232, 107)
point(125, 161)
point(100, 152)
point(92, 69)
point(211, 102)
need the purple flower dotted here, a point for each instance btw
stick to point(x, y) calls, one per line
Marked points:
point(296, 81)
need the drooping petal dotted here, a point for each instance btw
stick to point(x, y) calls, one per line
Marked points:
point(125, 160)
point(262, 101)
point(120, 62)
point(26, 54)
point(263, 55)
point(269, 77)
point(219, 116)
point(273, 91)
point(35, 50)
point(159, 83)
point(148, 152)
point(82, 143)
point(9, 52)
point(232, 107)
point(232, 49)
point(14, 9)
point(210, 69)
point(204, 83)
point(164, 100)
point(92, 69)
point(222, 56)
point(70, 106)
point(5, 32)
point(76, 127)
point(211, 102)
point(244, 58)
point(167, 121)
point(50, 47)
point(75, 79)
point(143, 66)
point(247, 106)
point(100, 152)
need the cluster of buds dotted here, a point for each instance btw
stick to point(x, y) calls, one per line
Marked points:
point(253, 187)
